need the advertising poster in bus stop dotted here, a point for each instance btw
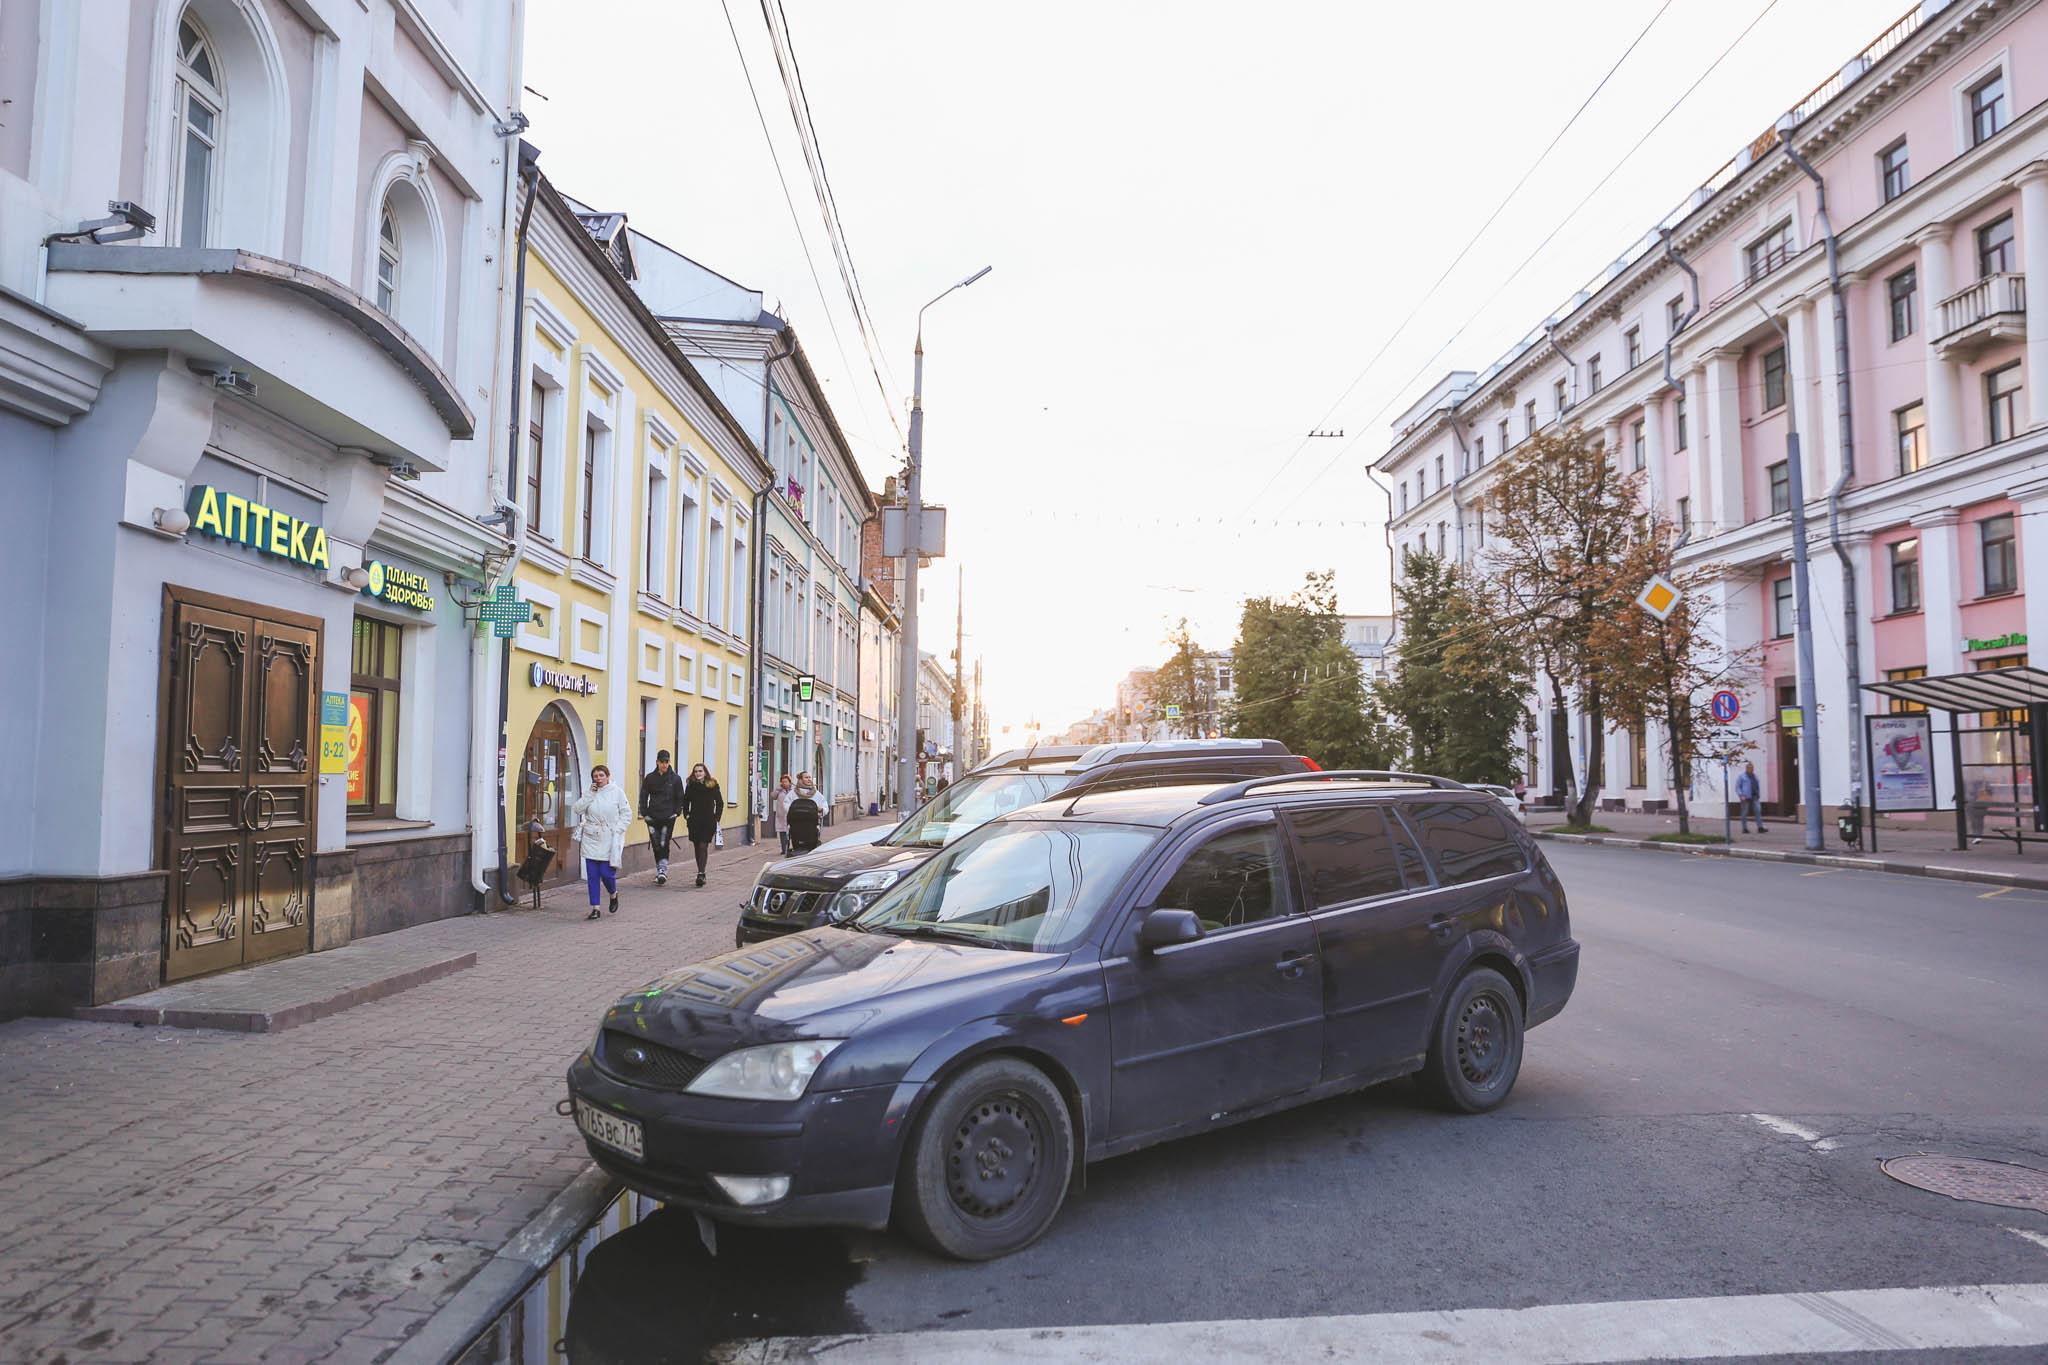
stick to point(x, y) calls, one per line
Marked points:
point(1901, 757)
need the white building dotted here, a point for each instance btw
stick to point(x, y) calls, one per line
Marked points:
point(258, 385)
point(1369, 638)
point(1932, 142)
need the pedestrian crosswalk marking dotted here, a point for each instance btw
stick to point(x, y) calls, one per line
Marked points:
point(1956, 1317)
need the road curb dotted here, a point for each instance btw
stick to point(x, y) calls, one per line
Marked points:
point(1981, 876)
point(510, 1272)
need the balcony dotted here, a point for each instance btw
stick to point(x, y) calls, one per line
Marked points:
point(1993, 309)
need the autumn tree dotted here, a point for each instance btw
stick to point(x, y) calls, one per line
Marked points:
point(1561, 521)
point(1459, 680)
point(1187, 680)
point(1296, 681)
point(1669, 670)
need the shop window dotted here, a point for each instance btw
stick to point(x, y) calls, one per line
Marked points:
point(1638, 757)
point(1992, 720)
point(1899, 705)
point(374, 666)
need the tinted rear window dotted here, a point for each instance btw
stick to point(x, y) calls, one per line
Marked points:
point(1467, 841)
point(1348, 853)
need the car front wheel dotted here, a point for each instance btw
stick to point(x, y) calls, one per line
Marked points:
point(989, 1162)
point(1475, 1051)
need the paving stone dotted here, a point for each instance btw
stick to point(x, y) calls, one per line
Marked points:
point(181, 1176)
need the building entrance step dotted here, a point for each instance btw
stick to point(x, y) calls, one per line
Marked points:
point(285, 994)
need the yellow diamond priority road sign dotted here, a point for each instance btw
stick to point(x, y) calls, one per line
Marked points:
point(1658, 597)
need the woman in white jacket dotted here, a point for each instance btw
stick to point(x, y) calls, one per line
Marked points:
point(603, 813)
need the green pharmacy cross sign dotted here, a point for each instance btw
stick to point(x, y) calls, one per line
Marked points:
point(504, 611)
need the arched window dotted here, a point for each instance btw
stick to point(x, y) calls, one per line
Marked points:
point(201, 111)
point(388, 258)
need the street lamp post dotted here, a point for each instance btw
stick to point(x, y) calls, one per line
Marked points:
point(913, 538)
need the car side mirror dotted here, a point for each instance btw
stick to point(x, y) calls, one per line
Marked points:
point(1164, 928)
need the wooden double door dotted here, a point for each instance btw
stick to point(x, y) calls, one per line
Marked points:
point(240, 777)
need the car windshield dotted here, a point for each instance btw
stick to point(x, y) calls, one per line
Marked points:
point(971, 803)
point(1029, 885)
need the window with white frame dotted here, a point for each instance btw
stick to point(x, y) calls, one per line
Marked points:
point(732, 757)
point(714, 592)
point(688, 558)
point(1987, 109)
point(1769, 251)
point(739, 579)
point(1894, 176)
point(654, 553)
point(390, 255)
point(710, 741)
point(1561, 392)
point(200, 113)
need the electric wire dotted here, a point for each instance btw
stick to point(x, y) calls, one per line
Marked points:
point(1465, 250)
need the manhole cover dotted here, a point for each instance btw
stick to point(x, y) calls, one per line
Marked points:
point(1981, 1182)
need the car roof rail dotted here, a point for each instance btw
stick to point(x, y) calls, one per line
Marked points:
point(1238, 790)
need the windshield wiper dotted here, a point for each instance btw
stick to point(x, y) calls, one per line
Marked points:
point(922, 843)
point(941, 934)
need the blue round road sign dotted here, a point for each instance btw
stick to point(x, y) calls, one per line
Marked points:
point(1726, 707)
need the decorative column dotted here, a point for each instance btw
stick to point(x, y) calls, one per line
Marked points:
point(1806, 415)
point(1831, 664)
point(2033, 182)
point(2032, 500)
point(1941, 590)
point(1702, 527)
point(1724, 471)
point(1653, 452)
point(1825, 435)
point(1944, 400)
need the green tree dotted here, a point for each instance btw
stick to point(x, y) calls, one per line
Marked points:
point(1459, 682)
point(1295, 681)
point(1188, 680)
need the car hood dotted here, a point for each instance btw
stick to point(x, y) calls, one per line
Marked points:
point(823, 983)
point(827, 869)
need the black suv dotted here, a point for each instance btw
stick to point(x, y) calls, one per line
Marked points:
point(1077, 980)
point(836, 883)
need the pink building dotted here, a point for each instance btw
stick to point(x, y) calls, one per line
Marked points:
point(1932, 142)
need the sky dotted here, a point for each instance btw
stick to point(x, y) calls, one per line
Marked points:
point(1213, 229)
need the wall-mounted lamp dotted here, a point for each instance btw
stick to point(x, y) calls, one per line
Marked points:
point(354, 577)
point(172, 521)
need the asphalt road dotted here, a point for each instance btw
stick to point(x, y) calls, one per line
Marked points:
point(1706, 1119)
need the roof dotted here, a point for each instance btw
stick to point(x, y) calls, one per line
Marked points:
point(1164, 805)
point(1994, 689)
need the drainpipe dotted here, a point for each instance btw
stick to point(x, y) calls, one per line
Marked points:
point(1457, 480)
point(1842, 418)
point(1393, 575)
point(1571, 366)
point(1671, 381)
point(529, 176)
point(761, 573)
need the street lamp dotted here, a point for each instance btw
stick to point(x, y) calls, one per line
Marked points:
point(913, 540)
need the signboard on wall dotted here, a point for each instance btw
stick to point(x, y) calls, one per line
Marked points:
point(358, 753)
point(1901, 761)
point(333, 733)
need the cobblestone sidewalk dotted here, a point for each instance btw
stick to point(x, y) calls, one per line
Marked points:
point(176, 1195)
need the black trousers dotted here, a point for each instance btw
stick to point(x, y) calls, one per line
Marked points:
point(659, 832)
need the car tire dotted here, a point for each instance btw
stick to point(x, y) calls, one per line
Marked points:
point(1475, 1050)
point(988, 1164)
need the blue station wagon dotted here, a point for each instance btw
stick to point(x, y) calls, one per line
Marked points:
point(1079, 979)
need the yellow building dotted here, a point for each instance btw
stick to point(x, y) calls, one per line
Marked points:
point(635, 489)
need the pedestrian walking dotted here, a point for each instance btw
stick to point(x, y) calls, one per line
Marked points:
point(602, 816)
point(778, 811)
point(803, 816)
point(703, 805)
point(661, 801)
point(1748, 797)
point(1521, 790)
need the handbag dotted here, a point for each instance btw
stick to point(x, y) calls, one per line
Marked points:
point(718, 839)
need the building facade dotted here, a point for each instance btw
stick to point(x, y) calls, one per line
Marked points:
point(880, 651)
point(937, 739)
point(252, 293)
point(636, 492)
point(1932, 142)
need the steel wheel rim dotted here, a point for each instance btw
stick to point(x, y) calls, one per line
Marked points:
point(1484, 1039)
point(992, 1161)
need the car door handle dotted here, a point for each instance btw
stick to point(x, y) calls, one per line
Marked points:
point(1294, 966)
point(1443, 927)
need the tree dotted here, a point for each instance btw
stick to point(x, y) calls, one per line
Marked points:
point(1562, 520)
point(1459, 682)
point(1670, 669)
point(1188, 680)
point(1297, 682)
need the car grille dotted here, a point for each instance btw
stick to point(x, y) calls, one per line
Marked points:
point(646, 1063)
point(780, 902)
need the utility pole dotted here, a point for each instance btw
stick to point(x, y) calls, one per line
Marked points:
point(960, 746)
point(1802, 626)
point(913, 543)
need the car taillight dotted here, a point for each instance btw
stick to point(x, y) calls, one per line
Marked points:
point(1309, 763)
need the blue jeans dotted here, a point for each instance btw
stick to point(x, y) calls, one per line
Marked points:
point(1750, 807)
point(596, 871)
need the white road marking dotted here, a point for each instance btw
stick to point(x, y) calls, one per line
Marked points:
point(1787, 1128)
point(1966, 1317)
point(2039, 1239)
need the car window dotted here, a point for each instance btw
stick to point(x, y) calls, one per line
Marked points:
point(1349, 853)
point(1231, 880)
point(1467, 840)
point(1034, 885)
point(971, 803)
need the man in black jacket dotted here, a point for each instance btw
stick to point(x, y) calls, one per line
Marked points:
point(661, 800)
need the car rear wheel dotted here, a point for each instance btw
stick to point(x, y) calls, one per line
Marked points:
point(988, 1164)
point(1475, 1051)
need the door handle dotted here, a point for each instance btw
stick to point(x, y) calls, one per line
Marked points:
point(1293, 967)
point(1443, 926)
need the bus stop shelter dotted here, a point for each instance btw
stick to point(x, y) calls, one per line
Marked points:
point(1996, 723)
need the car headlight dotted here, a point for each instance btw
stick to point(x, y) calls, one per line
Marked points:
point(861, 892)
point(777, 1071)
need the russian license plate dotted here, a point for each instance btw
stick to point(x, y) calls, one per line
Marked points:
point(621, 1135)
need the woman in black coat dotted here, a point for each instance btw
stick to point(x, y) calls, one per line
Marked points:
point(703, 804)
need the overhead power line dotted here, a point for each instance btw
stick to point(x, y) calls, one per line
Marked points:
point(1372, 422)
point(1466, 250)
